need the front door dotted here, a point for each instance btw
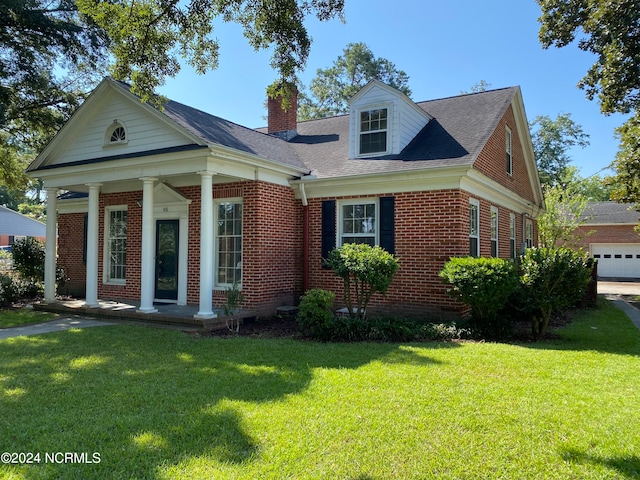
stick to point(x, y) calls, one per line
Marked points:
point(167, 259)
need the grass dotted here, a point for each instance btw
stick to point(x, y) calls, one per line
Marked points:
point(158, 404)
point(21, 317)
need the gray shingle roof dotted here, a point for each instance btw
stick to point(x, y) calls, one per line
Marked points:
point(460, 128)
point(607, 213)
point(216, 130)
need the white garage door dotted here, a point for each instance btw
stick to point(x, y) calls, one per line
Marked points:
point(617, 259)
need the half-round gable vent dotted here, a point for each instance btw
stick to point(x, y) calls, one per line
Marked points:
point(116, 133)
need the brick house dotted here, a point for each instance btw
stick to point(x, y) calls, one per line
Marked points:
point(609, 236)
point(176, 205)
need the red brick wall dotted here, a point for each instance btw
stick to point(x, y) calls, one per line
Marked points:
point(607, 234)
point(272, 249)
point(492, 159)
point(70, 244)
point(430, 228)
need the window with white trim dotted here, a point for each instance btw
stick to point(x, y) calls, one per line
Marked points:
point(115, 244)
point(508, 147)
point(358, 222)
point(512, 236)
point(494, 232)
point(529, 233)
point(474, 228)
point(373, 131)
point(228, 242)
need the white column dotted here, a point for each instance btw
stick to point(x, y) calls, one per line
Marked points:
point(206, 246)
point(50, 246)
point(91, 299)
point(147, 267)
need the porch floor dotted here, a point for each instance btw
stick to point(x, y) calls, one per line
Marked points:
point(168, 314)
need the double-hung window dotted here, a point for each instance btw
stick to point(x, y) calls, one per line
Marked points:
point(474, 228)
point(529, 233)
point(228, 242)
point(373, 131)
point(115, 259)
point(494, 232)
point(508, 147)
point(512, 236)
point(359, 222)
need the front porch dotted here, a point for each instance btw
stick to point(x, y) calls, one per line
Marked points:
point(166, 314)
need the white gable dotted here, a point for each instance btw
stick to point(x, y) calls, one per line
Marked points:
point(404, 118)
point(145, 129)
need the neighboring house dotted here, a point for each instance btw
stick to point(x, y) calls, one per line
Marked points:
point(14, 225)
point(609, 236)
point(176, 205)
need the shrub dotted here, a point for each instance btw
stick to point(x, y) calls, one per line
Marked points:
point(28, 258)
point(9, 291)
point(552, 280)
point(485, 284)
point(366, 269)
point(315, 313)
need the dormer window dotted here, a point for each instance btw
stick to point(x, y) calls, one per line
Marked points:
point(116, 134)
point(373, 131)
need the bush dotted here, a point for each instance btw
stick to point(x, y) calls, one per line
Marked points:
point(28, 258)
point(485, 284)
point(315, 313)
point(552, 280)
point(9, 291)
point(366, 269)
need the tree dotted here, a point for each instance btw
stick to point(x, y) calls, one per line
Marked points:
point(334, 86)
point(551, 280)
point(148, 36)
point(563, 215)
point(481, 86)
point(595, 188)
point(627, 163)
point(551, 141)
point(48, 52)
point(609, 30)
point(366, 269)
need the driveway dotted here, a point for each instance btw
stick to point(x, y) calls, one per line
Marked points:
point(619, 288)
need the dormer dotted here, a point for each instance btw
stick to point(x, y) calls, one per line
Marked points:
point(382, 121)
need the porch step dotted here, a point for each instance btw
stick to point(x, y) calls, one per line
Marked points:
point(167, 314)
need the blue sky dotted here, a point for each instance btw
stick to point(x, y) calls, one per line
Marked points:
point(444, 47)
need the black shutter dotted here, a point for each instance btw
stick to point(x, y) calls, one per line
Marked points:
point(328, 227)
point(387, 224)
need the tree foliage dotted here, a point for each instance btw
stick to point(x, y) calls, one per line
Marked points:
point(48, 54)
point(627, 163)
point(611, 32)
point(552, 140)
point(563, 215)
point(552, 280)
point(332, 87)
point(366, 269)
point(149, 36)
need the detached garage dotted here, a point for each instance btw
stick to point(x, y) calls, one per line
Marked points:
point(610, 237)
point(617, 260)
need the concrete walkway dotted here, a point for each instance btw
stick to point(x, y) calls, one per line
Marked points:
point(619, 293)
point(56, 325)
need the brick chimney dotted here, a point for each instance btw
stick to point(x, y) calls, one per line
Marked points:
point(283, 123)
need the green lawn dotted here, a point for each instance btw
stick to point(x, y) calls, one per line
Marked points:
point(159, 404)
point(23, 316)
